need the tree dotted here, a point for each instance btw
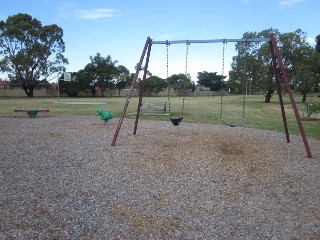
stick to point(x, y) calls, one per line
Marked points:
point(31, 52)
point(155, 85)
point(251, 69)
point(181, 83)
point(101, 72)
point(210, 80)
point(317, 48)
point(301, 61)
point(79, 83)
point(318, 43)
point(308, 73)
point(297, 57)
point(123, 78)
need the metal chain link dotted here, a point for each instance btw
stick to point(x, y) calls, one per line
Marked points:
point(186, 74)
point(187, 53)
point(246, 82)
point(222, 73)
point(167, 46)
point(169, 104)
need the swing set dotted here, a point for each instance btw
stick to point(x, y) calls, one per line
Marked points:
point(276, 63)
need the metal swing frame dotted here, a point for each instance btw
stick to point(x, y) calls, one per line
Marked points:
point(276, 62)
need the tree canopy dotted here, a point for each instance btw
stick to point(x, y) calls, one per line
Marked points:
point(123, 78)
point(210, 80)
point(155, 85)
point(318, 43)
point(181, 83)
point(254, 59)
point(30, 52)
point(101, 72)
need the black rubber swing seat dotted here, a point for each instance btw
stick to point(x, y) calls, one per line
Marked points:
point(176, 121)
point(239, 123)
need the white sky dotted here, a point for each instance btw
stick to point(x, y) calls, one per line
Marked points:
point(120, 28)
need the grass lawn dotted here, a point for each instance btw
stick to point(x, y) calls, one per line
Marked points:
point(196, 109)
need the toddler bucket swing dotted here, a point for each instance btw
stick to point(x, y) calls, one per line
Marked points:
point(176, 121)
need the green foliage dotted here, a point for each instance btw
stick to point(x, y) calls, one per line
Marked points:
point(311, 108)
point(123, 78)
point(30, 51)
point(301, 61)
point(77, 84)
point(180, 83)
point(101, 72)
point(155, 85)
point(210, 80)
point(250, 69)
point(318, 43)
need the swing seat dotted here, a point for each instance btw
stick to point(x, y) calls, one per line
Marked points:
point(239, 123)
point(176, 121)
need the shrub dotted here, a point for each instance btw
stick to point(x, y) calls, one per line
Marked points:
point(311, 108)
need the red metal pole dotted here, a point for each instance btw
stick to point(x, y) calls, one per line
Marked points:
point(279, 91)
point(130, 92)
point(293, 103)
point(142, 88)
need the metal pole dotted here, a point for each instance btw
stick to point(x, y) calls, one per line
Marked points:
point(293, 103)
point(212, 41)
point(130, 92)
point(142, 88)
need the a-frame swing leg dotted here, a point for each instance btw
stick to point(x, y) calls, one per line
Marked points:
point(142, 88)
point(279, 91)
point(293, 103)
point(148, 41)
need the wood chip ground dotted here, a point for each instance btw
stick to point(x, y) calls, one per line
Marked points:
point(61, 179)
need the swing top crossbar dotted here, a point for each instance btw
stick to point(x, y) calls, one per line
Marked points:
point(212, 41)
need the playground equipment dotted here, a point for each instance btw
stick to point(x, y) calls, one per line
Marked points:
point(32, 112)
point(241, 120)
point(105, 116)
point(176, 121)
point(276, 63)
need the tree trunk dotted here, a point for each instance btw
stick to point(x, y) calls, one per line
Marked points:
point(304, 98)
point(102, 91)
point(268, 96)
point(93, 91)
point(304, 95)
point(28, 90)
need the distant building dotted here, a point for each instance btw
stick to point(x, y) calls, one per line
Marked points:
point(5, 84)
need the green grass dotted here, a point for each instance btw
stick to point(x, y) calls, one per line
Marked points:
point(197, 109)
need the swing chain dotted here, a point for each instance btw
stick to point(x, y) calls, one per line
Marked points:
point(169, 103)
point(245, 80)
point(187, 53)
point(186, 71)
point(186, 75)
point(167, 47)
point(245, 90)
point(223, 50)
point(222, 73)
